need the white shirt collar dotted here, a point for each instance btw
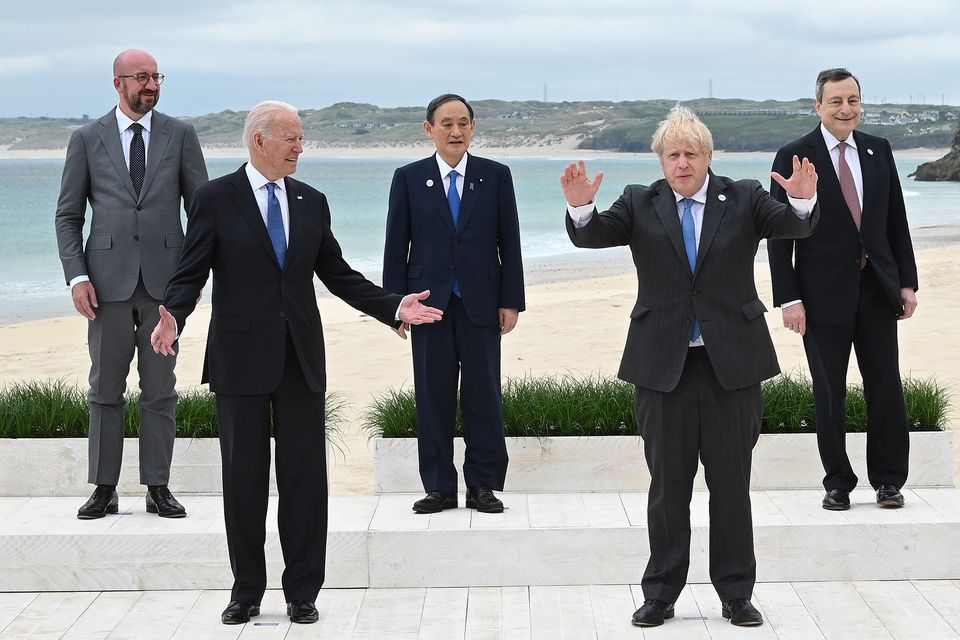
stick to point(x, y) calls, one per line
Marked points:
point(831, 140)
point(257, 181)
point(445, 169)
point(124, 122)
point(700, 196)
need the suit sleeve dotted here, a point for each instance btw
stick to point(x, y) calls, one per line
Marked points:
point(397, 242)
point(898, 231)
point(196, 260)
point(610, 228)
point(193, 169)
point(72, 207)
point(348, 284)
point(786, 286)
point(508, 237)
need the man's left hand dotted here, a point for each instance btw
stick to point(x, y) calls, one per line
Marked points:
point(508, 320)
point(803, 183)
point(909, 299)
point(413, 312)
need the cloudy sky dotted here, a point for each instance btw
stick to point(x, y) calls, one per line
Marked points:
point(56, 55)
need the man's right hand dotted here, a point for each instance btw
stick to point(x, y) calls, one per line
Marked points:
point(164, 334)
point(578, 189)
point(85, 299)
point(795, 318)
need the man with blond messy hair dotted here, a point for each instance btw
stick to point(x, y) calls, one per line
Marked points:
point(698, 346)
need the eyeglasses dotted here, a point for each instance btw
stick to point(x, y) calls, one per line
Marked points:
point(143, 78)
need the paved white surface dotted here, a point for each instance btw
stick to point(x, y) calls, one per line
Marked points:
point(801, 611)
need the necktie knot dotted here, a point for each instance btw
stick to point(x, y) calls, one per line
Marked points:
point(270, 187)
point(136, 127)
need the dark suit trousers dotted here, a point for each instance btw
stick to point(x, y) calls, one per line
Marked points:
point(443, 353)
point(119, 329)
point(699, 418)
point(873, 334)
point(301, 467)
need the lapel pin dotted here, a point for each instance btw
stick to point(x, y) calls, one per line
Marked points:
point(722, 198)
point(471, 186)
point(481, 180)
point(429, 183)
point(299, 197)
point(870, 151)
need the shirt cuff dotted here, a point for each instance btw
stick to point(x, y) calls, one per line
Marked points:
point(75, 281)
point(581, 215)
point(802, 206)
point(790, 304)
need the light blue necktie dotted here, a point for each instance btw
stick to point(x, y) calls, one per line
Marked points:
point(690, 243)
point(453, 198)
point(275, 224)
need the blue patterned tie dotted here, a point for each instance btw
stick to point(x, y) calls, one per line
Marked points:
point(453, 198)
point(690, 244)
point(275, 224)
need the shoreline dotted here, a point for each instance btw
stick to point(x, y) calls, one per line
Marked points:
point(552, 151)
point(570, 267)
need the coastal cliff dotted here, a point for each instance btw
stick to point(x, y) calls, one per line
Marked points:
point(946, 168)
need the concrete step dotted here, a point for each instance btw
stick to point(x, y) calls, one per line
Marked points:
point(541, 539)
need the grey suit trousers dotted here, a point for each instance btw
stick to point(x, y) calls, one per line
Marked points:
point(119, 329)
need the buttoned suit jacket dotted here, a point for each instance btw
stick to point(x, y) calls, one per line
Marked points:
point(823, 270)
point(129, 236)
point(423, 250)
point(720, 291)
point(255, 302)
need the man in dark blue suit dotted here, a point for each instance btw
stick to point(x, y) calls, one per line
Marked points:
point(452, 227)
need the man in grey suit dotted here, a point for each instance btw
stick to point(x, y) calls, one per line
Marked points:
point(698, 346)
point(134, 166)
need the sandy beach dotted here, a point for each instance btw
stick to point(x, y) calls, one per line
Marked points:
point(576, 322)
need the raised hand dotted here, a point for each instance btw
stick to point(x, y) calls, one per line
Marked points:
point(803, 182)
point(577, 187)
point(413, 312)
point(164, 334)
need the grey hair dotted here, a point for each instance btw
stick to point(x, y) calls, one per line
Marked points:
point(682, 125)
point(833, 75)
point(260, 118)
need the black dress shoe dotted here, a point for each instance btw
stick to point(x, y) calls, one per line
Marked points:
point(435, 502)
point(161, 502)
point(239, 612)
point(889, 496)
point(103, 501)
point(302, 612)
point(836, 500)
point(652, 613)
point(742, 613)
point(482, 499)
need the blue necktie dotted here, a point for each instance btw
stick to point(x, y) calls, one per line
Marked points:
point(690, 244)
point(275, 224)
point(453, 198)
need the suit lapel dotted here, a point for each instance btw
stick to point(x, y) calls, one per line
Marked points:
point(159, 138)
point(432, 183)
point(472, 183)
point(110, 138)
point(246, 205)
point(869, 170)
point(295, 206)
point(665, 204)
point(713, 211)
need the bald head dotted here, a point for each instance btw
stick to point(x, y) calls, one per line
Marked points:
point(136, 100)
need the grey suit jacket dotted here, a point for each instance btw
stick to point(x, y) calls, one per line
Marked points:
point(129, 236)
point(721, 291)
